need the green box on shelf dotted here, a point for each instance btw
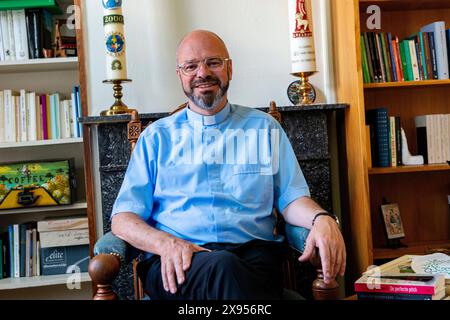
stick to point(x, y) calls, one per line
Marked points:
point(50, 5)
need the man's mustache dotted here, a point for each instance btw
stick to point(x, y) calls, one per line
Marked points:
point(207, 80)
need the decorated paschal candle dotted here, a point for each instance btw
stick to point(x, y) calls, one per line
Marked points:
point(303, 56)
point(113, 23)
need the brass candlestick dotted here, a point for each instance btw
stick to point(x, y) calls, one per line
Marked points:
point(306, 92)
point(118, 107)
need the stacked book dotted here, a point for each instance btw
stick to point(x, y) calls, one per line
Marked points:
point(64, 245)
point(421, 56)
point(29, 116)
point(400, 286)
point(409, 277)
point(433, 137)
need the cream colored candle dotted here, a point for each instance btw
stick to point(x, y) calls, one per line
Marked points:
point(113, 22)
point(303, 56)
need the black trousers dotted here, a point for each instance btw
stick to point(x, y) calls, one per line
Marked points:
point(252, 270)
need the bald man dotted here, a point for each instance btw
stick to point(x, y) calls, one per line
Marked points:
point(200, 188)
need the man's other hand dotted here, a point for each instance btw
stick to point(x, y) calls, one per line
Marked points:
point(326, 236)
point(176, 255)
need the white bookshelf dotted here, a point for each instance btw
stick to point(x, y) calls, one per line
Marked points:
point(40, 281)
point(48, 75)
point(39, 65)
point(73, 207)
point(38, 143)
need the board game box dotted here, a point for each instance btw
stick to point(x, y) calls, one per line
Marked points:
point(35, 184)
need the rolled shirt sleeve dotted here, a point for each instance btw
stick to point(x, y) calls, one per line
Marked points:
point(289, 181)
point(136, 192)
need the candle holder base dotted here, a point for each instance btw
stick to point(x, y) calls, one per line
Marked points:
point(118, 107)
point(301, 92)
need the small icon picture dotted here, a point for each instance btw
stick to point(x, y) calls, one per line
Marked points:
point(392, 221)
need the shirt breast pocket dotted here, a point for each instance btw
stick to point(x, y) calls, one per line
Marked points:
point(249, 184)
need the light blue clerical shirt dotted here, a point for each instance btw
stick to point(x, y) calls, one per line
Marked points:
point(212, 178)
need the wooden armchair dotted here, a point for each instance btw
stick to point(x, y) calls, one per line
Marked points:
point(111, 252)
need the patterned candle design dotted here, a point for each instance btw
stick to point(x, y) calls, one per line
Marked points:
point(113, 22)
point(303, 54)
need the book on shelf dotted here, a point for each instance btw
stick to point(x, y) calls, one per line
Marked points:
point(19, 250)
point(433, 55)
point(10, 31)
point(392, 57)
point(66, 259)
point(39, 26)
point(2, 49)
point(22, 255)
point(64, 244)
point(413, 53)
point(400, 296)
point(438, 28)
point(63, 238)
point(430, 264)
point(1, 258)
point(20, 34)
point(5, 255)
point(368, 147)
point(433, 137)
point(379, 121)
point(421, 56)
point(447, 34)
point(392, 141)
point(62, 223)
point(30, 116)
point(400, 283)
point(432, 132)
point(26, 33)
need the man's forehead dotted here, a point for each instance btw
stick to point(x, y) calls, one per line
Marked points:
point(200, 46)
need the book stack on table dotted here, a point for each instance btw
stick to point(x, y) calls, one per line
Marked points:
point(397, 286)
point(406, 278)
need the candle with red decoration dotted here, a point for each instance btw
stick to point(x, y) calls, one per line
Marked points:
point(303, 54)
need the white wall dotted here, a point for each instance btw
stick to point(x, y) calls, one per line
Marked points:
point(255, 31)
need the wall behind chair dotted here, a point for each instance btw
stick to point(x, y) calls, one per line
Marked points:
point(255, 31)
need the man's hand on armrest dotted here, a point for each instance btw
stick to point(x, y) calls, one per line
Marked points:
point(325, 235)
point(176, 254)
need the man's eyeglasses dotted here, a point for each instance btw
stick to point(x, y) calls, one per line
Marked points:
point(213, 64)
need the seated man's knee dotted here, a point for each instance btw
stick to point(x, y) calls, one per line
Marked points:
point(223, 260)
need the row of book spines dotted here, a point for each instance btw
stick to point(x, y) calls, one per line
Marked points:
point(433, 137)
point(29, 116)
point(386, 59)
point(384, 139)
point(21, 245)
point(20, 251)
point(24, 33)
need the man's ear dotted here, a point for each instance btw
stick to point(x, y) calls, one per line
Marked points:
point(230, 70)
point(178, 73)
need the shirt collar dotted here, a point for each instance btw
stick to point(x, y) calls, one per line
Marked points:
point(209, 120)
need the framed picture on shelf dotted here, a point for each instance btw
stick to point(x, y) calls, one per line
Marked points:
point(392, 221)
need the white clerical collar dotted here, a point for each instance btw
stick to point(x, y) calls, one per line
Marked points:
point(209, 120)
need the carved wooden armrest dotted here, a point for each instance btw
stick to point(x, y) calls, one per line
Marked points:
point(296, 237)
point(103, 269)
